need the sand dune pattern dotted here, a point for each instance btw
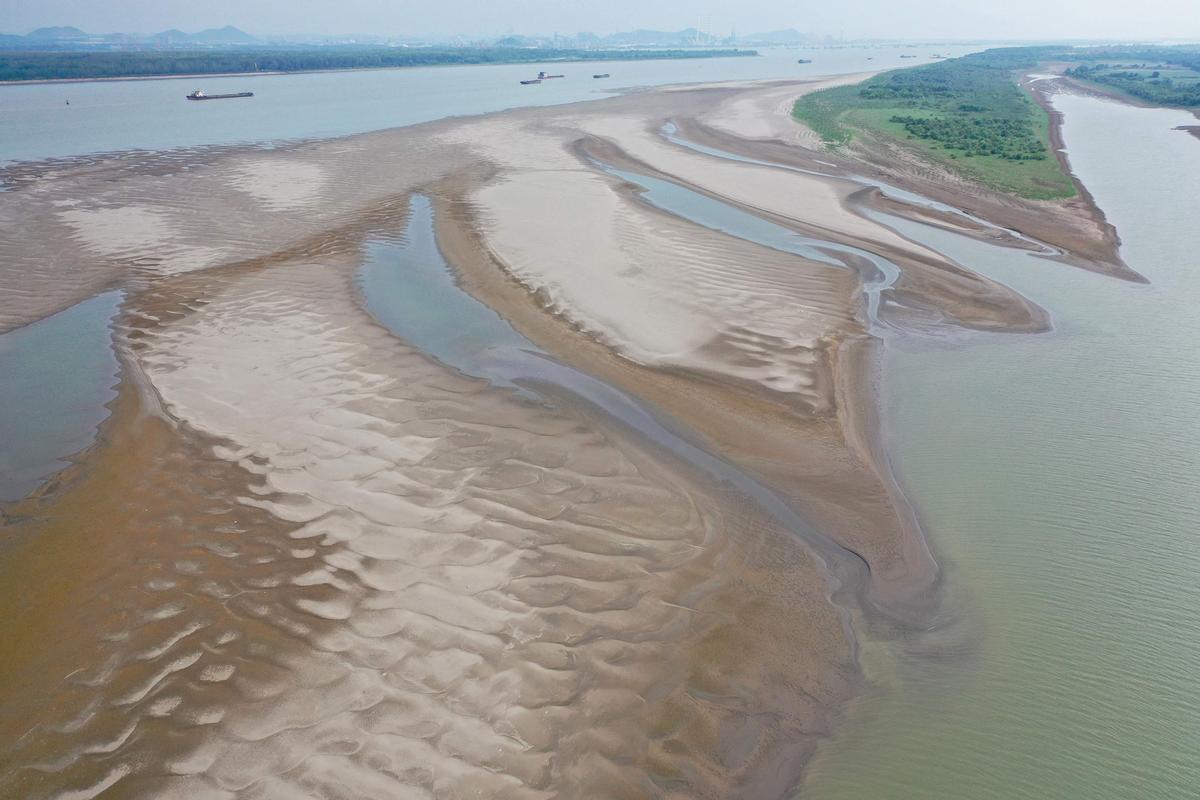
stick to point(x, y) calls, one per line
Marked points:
point(307, 560)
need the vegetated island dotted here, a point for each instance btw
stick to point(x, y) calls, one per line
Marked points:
point(973, 117)
point(967, 114)
point(74, 65)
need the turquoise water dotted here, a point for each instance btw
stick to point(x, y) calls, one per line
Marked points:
point(1059, 480)
point(36, 122)
point(56, 376)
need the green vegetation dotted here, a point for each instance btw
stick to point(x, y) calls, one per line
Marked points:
point(1164, 76)
point(1011, 139)
point(25, 66)
point(968, 114)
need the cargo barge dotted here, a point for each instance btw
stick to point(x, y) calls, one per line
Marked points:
point(199, 95)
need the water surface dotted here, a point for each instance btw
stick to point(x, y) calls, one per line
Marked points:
point(103, 116)
point(56, 376)
point(408, 286)
point(1059, 479)
point(877, 273)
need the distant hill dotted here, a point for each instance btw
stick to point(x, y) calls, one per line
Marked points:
point(71, 38)
point(57, 34)
point(787, 36)
point(173, 36)
point(517, 41)
point(645, 38)
point(226, 35)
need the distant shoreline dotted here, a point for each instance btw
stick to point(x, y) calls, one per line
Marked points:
point(41, 81)
point(650, 55)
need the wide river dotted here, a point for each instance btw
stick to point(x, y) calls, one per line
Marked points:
point(37, 122)
point(1058, 475)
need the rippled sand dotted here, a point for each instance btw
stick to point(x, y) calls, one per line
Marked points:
point(305, 560)
point(384, 580)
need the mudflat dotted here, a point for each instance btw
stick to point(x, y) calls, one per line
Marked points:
point(306, 556)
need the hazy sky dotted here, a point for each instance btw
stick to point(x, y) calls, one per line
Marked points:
point(993, 19)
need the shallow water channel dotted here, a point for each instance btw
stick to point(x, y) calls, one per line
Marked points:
point(56, 377)
point(408, 287)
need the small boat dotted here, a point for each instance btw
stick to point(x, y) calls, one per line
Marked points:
point(803, 60)
point(531, 81)
point(199, 95)
point(600, 75)
point(545, 75)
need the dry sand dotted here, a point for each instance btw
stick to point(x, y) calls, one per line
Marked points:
point(304, 560)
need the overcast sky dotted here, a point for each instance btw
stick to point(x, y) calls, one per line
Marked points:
point(924, 19)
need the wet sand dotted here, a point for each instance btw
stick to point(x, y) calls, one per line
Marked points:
point(306, 560)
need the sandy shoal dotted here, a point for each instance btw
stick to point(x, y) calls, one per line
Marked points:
point(312, 559)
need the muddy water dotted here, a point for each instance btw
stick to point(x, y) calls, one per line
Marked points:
point(1058, 479)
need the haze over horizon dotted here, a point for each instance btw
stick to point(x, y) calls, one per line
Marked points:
point(853, 19)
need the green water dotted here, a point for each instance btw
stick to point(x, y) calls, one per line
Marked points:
point(1058, 477)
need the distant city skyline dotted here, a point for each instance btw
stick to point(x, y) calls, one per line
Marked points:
point(856, 19)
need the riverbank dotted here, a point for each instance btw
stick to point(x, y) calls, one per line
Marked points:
point(520, 594)
point(1093, 89)
point(1061, 587)
point(38, 66)
point(267, 73)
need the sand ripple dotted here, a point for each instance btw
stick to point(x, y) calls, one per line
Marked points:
point(424, 586)
point(331, 567)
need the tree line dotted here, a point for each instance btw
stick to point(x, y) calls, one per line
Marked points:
point(23, 65)
point(1154, 88)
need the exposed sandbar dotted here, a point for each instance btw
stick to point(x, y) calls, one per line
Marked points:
point(308, 556)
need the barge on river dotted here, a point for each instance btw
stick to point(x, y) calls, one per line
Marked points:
point(199, 95)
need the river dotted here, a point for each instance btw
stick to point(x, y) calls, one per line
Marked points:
point(1058, 477)
point(36, 121)
point(110, 116)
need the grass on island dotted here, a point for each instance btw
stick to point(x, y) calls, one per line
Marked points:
point(967, 114)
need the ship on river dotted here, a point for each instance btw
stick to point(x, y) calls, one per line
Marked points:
point(199, 95)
